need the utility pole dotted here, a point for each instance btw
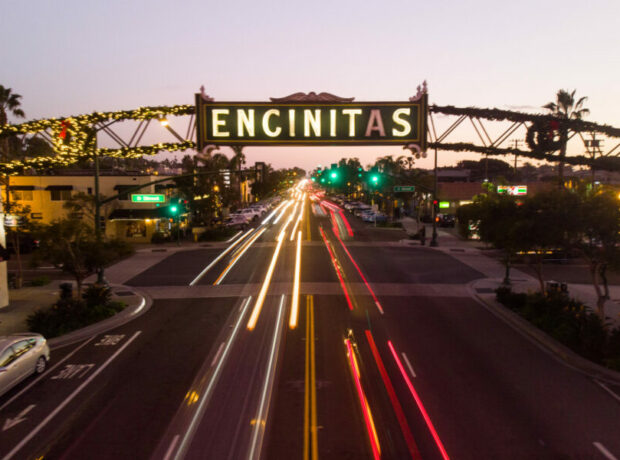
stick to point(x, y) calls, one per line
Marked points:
point(592, 146)
point(516, 146)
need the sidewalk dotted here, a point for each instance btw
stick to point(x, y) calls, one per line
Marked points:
point(471, 254)
point(24, 301)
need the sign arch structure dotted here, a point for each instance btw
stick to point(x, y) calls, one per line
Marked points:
point(486, 131)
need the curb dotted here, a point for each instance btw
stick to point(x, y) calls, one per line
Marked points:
point(542, 339)
point(129, 313)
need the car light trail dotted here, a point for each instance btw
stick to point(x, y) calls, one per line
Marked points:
point(187, 436)
point(273, 213)
point(234, 236)
point(299, 217)
point(311, 445)
point(263, 292)
point(263, 408)
point(286, 205)
point(418, 401)
point(238, 256)
point(372, 293)
point(338, 209)
point(218, 258)
point(370, 426)
point(398, 409)
point(335, 262)
point(295, 301)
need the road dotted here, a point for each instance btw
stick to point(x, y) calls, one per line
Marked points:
point(310, 336)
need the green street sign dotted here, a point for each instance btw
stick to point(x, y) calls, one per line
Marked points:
point(149, 198)
point(404, 188)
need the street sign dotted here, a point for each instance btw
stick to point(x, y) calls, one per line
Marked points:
point(404, 188)
point(514, 190)
point(149, 198)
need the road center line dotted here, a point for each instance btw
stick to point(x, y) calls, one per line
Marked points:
point(217, 355)
point(49, 371)
point(604, 451)
point(62, 405)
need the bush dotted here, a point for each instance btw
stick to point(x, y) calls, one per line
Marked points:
point(69, 314)
point(40, 281)
point(97, 295)
point(568, 321)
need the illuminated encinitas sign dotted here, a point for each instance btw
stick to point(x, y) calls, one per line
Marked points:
point(311, 123)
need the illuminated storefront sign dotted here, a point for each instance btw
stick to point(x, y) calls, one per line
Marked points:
point(514, 190)
point(311, 123)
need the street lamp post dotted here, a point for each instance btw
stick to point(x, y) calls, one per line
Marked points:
point(92, 142)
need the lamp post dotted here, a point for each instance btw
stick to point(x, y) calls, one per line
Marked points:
point(91, 141)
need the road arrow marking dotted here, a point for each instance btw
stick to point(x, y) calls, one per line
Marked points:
point(11, 422)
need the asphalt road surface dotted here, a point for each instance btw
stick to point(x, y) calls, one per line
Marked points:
point(361, 347)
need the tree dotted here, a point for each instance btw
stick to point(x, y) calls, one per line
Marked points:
point(565, 108)
point(236, 163)
point(549, 222)
point(598, 239)
point(499, 217)
point(9, 105)
point(70, 245)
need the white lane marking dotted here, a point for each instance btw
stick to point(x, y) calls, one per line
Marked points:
point(110, 340)
point(11, 422)
point(604, 451)
point(217, 355)
point(187, 436)
point(50, 370)
point(62, 405)
point(218, 258)
point(234, 236)
point(172, 446)
point(608, 390)
point(408, 364)
point(263, 409)
point(73, 370)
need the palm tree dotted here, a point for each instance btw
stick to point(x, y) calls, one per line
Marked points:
point(9, 104)
point(565, 108)
point(237, 162)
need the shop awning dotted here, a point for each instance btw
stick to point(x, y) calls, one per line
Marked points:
point(137, 214)
point(59, 187)
point(22, 187)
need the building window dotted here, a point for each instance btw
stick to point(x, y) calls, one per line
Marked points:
point(90, 190)
point(122, 191)
point(36, 215)
point(60, 195)
point(22, 195)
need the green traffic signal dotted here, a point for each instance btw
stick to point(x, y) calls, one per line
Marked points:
point(333, 174)
point(174, 209)
point(374, 179)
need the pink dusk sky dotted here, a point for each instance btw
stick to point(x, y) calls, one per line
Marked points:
point(70, 57)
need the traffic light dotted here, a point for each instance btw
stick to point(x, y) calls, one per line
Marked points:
point(374, 179)
point(333, 175)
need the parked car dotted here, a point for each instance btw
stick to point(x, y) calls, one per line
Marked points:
point(374, 217)
point(21, 355)
point(236, 222)
point(446, 220)
point(252, 214)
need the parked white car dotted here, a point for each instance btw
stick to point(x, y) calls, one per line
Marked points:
point(236, 220)
point(251, 213)
point(21, 355)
